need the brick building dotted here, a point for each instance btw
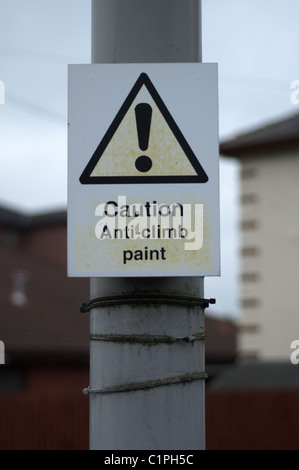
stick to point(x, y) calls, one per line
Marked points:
point(46, 337)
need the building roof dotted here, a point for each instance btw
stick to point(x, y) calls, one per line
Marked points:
point(256, 375)
point(269, 137)
point(10, 218)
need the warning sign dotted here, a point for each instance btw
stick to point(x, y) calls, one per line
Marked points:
point(143, 179)
point(143, 145)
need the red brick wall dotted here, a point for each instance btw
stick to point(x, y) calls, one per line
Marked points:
point(54, 414)
point(47, 421)
point(46, 241)
point(252, 420)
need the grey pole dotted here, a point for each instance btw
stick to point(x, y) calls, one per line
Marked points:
point(147, 388)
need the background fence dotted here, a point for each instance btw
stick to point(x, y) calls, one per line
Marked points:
point(234, 420)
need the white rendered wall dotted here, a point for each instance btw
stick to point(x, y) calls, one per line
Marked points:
point(270, 294)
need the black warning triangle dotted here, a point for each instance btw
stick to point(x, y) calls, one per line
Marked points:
point(144, 163)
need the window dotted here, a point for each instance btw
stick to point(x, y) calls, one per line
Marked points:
point(248, 172)
point(250, 303)
point(18, 296)
point(249, 199)
point(249, 328)
point(250, 277)
point(249, 355)
point(249, 224)
point(249, 251)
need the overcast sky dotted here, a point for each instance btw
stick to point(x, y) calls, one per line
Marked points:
point(254, 42)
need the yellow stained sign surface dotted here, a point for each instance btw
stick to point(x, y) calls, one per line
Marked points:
point(142, 201)
point(143, 145)
point(164, 151)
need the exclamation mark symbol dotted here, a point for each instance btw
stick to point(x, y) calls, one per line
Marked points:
point(143, 115)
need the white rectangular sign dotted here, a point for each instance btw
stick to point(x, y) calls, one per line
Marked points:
point(143, 170)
